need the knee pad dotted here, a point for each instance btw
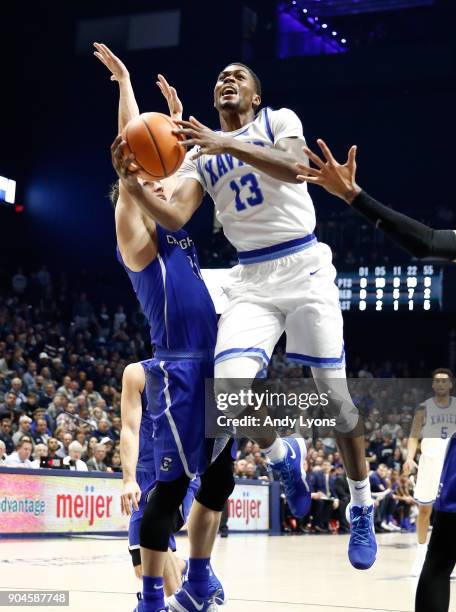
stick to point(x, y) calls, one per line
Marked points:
point(217, 482)
point(159, 513)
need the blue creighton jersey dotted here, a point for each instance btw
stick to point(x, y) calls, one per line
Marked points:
point(146, 432)
point(173, 295)
point(446, 497)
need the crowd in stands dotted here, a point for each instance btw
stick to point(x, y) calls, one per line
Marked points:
point(60, 383)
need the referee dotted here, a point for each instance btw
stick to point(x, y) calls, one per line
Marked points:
point(433, 592)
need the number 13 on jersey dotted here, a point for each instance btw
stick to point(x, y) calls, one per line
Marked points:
point(254, 195)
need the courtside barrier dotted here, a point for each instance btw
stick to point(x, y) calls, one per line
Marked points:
point(53, 503)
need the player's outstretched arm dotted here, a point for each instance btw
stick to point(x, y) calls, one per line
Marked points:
point(133, 382)
point(172, 215)
point(278, 161)
point(128, 107)
point(339, 179)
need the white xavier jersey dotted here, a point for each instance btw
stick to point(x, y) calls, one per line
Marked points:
point(440, 422)
point(254, 209)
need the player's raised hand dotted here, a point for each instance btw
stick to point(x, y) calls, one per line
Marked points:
point(131, 494)
point(171, 97)
point(338, 179)
point(197, 134)
point(118, 69)
point(123, 164)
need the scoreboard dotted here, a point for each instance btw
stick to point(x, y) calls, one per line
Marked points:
point(406, 287)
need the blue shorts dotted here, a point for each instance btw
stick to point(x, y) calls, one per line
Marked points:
point(446, 496)
point(147, 481)
point(175, 391)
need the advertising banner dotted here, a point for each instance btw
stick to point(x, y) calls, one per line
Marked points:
point(248, 508)
point(33, 502)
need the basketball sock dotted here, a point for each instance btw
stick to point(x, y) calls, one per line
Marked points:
point(360, 492)
point(153, 593)
point(276, 452)
point(198, 575)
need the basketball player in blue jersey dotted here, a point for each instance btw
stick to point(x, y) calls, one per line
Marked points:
point(164, 271)
point(285, 280)
point(420, 240)
point(138, 466)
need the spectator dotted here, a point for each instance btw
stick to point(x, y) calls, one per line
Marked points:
point(5, 435)
point(240, 468)
point(2, 453)
point(16, 388)
point(103, 430)
point(8, 408)
point(66, 440)
point(47, 395)
point(66, 389)
point(42, 434)
point(250, 471)
point(115, 429)
point(29, 377)
point(21, 458)
point(53, 447)
point(119, 318)
point(381, 492)
point(40, 451)
point(97, 463)
point(387, 450)
point(324, 498)
point(115, 463)
point(73, 460)
point(25, 425)
point(19, 282)
point(30, 404)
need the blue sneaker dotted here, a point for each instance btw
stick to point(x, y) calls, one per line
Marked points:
point(216, 590)
point(362, 548)
point(186, 600)
point(293, 476)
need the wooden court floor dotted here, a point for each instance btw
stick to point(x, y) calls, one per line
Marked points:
point(259, 573)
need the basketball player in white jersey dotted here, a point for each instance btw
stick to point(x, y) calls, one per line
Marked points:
point(434, 422)
point(285, 280)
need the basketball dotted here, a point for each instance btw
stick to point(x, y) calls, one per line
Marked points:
point(158, 152)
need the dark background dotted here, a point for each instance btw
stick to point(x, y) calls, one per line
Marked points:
point(392, 93)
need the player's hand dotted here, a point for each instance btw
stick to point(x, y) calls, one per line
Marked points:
point(208, 141)
point(170, 94)
point(118, 69)
point(409, 466)
point(131, 494)
point(123, 164)
point(338, 179)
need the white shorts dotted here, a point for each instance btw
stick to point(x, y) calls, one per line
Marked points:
point(293, 293)
point(429, 470)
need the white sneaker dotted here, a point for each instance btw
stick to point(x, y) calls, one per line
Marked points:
point(386, 526)
point(394, 527)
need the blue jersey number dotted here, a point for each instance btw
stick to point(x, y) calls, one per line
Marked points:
point(255, 196)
